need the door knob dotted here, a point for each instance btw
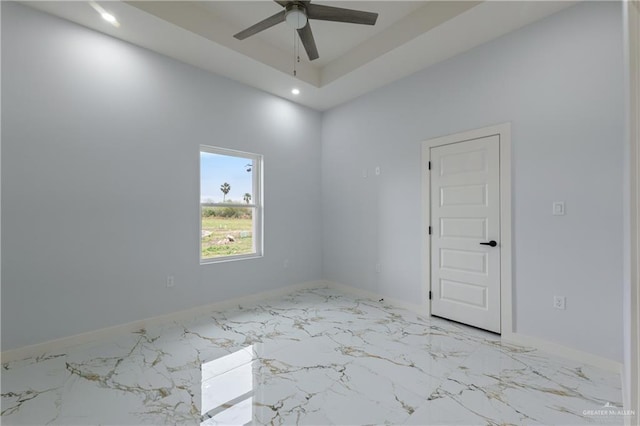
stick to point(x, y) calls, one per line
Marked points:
point(490, 243)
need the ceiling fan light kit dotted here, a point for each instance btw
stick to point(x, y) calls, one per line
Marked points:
point(295, 16)
point(298, 13)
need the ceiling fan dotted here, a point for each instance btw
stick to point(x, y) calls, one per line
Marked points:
point(297, 14)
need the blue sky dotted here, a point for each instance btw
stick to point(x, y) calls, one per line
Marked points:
point(216, 169)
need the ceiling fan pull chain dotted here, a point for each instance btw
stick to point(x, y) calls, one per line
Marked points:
point(298, 54)
point(294, 53)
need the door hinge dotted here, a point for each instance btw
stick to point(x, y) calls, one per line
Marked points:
point(429, 230)
point(430, 295)
point(429, 165)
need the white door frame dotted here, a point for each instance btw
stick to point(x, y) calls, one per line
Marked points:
point(504, 133)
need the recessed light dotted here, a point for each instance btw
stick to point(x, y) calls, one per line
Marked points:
point(295, 91)
point(109, 17)
point(105, 15)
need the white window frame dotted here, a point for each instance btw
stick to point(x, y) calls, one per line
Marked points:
point(257, 204)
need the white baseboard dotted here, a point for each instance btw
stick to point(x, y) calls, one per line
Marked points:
point(516, 338)
point(563, 351)
point(105, 333)
point(418, 309)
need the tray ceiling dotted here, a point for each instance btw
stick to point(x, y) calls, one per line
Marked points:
point(354, 59)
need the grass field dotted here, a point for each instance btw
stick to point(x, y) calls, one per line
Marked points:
point(214, 236)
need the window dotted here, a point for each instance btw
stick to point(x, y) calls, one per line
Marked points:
point(230, 204)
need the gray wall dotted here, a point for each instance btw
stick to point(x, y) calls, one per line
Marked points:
point(100, 159)
point(100, 181)
point(560, 83)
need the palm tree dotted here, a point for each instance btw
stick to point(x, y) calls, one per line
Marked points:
point(225, 188)
point(247, 197)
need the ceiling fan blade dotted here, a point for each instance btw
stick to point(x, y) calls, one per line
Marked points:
point(306, 36)
point(338, 14)
point(282, 3)
point(261, 26)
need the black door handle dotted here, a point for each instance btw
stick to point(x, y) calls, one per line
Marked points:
point(490, 243)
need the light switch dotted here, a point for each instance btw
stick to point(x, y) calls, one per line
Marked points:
point(558, 208)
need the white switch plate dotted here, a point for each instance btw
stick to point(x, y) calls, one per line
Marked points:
point(558, 208)
point(377, 170)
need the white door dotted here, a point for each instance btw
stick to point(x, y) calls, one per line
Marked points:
point(465, 234)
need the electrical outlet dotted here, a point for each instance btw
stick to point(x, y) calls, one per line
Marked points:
point(378, 267)
point(377, 170)
point(558, 208)
point(559, 302)
point(285, 264)
point(170, 281)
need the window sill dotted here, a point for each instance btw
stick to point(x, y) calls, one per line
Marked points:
point(230, 258)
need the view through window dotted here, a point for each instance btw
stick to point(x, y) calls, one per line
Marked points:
point(230, 200)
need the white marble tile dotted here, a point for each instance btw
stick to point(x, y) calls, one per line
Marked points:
point(312, 357)
point(516, 387)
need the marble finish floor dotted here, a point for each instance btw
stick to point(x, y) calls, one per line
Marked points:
point(315, 357)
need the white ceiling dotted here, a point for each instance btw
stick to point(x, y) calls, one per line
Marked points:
point(354, 59)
